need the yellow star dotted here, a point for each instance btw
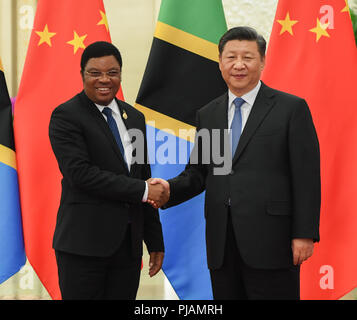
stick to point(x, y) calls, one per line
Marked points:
point(45, 36)
point(320, 30)
point(346, 8)
point(77, 42)
point(287, 24)
point(104, 20)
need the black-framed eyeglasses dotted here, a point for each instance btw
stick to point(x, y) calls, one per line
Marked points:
point(99, 74)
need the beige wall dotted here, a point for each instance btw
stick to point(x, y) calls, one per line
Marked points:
point(16, 20)
point(132, 24)
point(6, 39)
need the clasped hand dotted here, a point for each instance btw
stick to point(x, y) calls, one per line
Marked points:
point(159, 192)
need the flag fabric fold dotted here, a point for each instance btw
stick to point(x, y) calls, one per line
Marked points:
point(12, 252)
point(181, 76)
point(312, 54)
point(51, 75)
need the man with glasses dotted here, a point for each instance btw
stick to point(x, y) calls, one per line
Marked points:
point(103, 216)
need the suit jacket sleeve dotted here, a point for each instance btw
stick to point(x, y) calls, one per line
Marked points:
point(191, 181)
point(304, 158)
point(70, 148)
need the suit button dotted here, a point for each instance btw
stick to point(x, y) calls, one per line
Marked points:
point(228, 203)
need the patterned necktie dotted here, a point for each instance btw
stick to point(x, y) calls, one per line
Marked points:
point(114, 128)
point(236, 126)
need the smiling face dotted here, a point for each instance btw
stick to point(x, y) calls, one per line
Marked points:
point(102, 89)
point(241, 65)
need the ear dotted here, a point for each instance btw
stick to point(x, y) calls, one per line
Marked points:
point(262, 63)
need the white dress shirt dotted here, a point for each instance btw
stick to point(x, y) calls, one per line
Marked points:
point(246, 107)
point(124, 136)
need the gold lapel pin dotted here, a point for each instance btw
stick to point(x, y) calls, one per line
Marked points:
point(125, 116)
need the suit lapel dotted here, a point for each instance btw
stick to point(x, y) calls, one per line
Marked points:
point(220, 119)
point(262, 105)
point(220, 115)
point(104, 126)
point(131, 122)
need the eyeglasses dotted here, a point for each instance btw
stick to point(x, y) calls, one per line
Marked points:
point(99, 74)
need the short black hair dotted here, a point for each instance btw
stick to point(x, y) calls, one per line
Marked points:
point(243, 33)
point(100, 49)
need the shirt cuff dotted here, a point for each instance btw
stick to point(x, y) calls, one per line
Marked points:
point(145, 196)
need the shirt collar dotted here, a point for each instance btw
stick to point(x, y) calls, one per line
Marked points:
point(248, 97)
point(113, 105)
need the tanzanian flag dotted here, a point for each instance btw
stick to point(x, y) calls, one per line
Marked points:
point(181, 76)
point(12, 252)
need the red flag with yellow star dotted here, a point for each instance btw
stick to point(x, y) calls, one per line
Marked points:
point(312, 54)
point(51, 75)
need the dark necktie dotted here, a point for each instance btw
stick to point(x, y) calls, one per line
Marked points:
point(114, 128)
point(236, 124)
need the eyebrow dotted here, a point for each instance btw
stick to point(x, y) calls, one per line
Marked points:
point(244, 52)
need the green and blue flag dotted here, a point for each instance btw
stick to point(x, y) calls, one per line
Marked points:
point(181, 76)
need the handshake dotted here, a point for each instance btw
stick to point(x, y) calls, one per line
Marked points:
point(159, 192)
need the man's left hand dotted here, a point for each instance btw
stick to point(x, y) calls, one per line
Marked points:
point(155, 263)
point(302, 249)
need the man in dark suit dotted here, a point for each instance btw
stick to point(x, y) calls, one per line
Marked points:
point(103, 216)
point(262, 218)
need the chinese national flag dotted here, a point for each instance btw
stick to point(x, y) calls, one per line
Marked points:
point(312, 54)
point(51, 75)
